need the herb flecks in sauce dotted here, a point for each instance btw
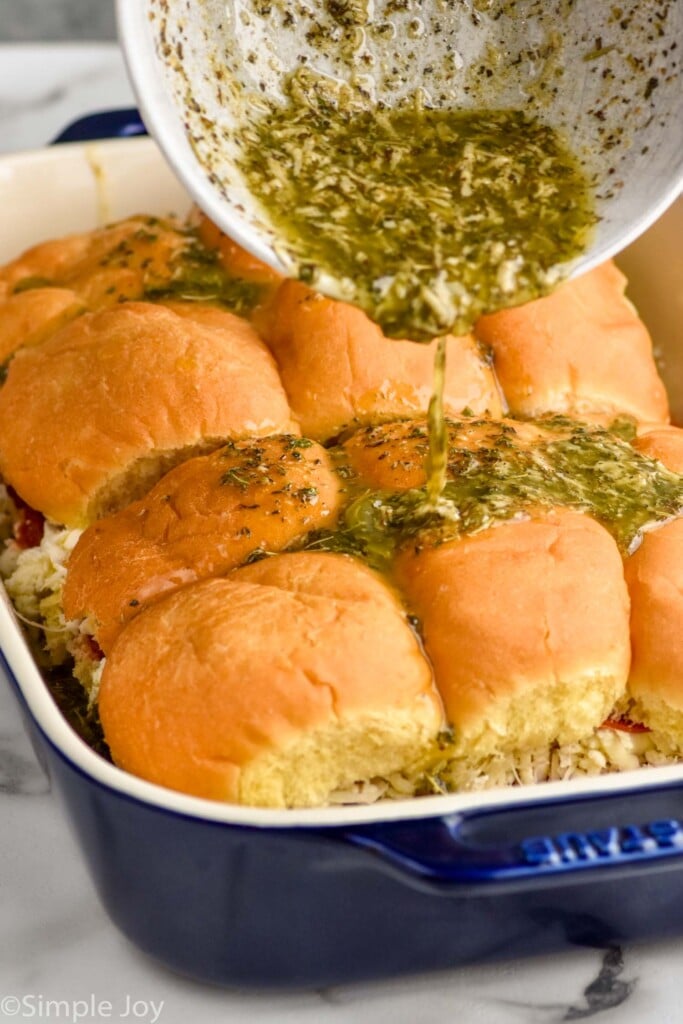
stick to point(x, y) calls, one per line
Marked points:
point(165, 261)
point(507, 474)
point(424, 218)
point(198, 276)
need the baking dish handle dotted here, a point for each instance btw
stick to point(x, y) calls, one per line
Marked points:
point(522, 842)
point(107, 124)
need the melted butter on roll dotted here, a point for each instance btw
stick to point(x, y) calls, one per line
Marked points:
point(204, 518)
point(29, 318)
point(121, 261)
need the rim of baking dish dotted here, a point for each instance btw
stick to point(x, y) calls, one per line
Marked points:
point(49, 718)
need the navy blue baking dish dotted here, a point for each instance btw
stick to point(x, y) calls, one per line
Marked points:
point(278, 899)
point(281, 899)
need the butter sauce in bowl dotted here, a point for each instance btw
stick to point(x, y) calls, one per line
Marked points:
point(425, 161)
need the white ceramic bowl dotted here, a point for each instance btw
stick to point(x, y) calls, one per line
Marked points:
point(611, 81)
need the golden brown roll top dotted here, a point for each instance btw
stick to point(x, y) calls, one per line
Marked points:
point(338, 369)
point(49, 263)
point(204, 518)
point(122, 261)
point(91, 418)
point(393, 456)
point(288, 680)
point(663, 443)
point(130, 260)
point(29, 317)
point(526, 626)
point(389, 456)
point(654, 575)
point(581, 350)
point(236, 261)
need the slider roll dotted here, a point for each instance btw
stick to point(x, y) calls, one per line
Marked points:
point(582, 350)
point(93, 417)
point(276, 686)
point(654, 575)
point(339, 370)
point(204, 518)
point(526, 626)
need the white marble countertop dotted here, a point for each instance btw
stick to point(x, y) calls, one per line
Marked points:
point(57, 943)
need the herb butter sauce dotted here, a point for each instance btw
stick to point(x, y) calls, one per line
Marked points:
point(423, 218)
point(501, 470)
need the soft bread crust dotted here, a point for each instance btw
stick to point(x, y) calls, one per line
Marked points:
point(202, 519)
point(526, 625)
point(655, 580)
point(236, 261)
point(339, 369)
point(654, 574)
point(240, 265)
point(30, 317)
point(581, 350)
point(270, 687)
point(115, 263)
point(663, 443)
point(90, 419)
point(51, 262)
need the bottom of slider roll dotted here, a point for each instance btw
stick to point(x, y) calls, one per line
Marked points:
point(526, 625)
point(606, 750)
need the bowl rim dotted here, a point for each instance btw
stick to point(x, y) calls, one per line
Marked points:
point(164, 121)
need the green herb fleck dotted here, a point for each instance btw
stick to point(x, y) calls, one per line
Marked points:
point(573, 465)
point(29, 283)
point(233, 478)
point(299, 442)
